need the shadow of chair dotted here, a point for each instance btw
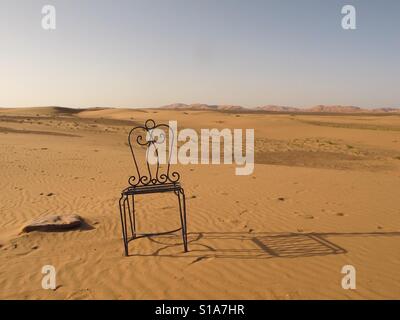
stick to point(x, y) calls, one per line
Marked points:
point(256, 245)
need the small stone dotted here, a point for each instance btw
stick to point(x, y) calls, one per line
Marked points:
point(50, 194)
point(54, 223)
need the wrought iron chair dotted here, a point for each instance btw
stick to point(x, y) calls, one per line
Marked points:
point(155, 179)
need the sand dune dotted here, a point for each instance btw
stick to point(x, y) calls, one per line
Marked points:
point(324, 194)
point(41, 111)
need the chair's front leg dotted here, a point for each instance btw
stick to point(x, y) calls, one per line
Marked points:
point(122, 212)
point(131, 213)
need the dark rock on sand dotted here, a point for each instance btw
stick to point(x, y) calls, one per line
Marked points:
point(54, 223)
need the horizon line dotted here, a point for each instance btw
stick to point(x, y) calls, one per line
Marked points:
point(180, 105)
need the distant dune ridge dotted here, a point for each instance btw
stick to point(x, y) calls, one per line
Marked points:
point(345, 109)
point(202, 106)
point(56, 110)
point(276, 108)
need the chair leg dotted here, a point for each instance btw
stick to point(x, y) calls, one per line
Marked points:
point(134, 214)
point(184, 219)
point(122, 212)
point(182, 212)
point(131, 214)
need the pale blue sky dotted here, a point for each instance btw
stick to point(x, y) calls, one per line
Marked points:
point(154, 52)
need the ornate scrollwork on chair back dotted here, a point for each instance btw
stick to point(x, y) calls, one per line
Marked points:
point(147, 139)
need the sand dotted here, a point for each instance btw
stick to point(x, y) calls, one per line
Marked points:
point(324, 194)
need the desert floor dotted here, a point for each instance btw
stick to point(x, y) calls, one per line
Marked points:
point(324, 194)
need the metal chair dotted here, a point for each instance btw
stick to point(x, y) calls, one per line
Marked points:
point(155, 179)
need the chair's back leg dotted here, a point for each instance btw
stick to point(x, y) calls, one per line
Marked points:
point(184, 219)
point(134, 214)
point(182, 209)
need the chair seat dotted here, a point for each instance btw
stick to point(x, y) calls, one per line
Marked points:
point(153, 188)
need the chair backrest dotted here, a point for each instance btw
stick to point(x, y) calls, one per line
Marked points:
point(157, 140)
